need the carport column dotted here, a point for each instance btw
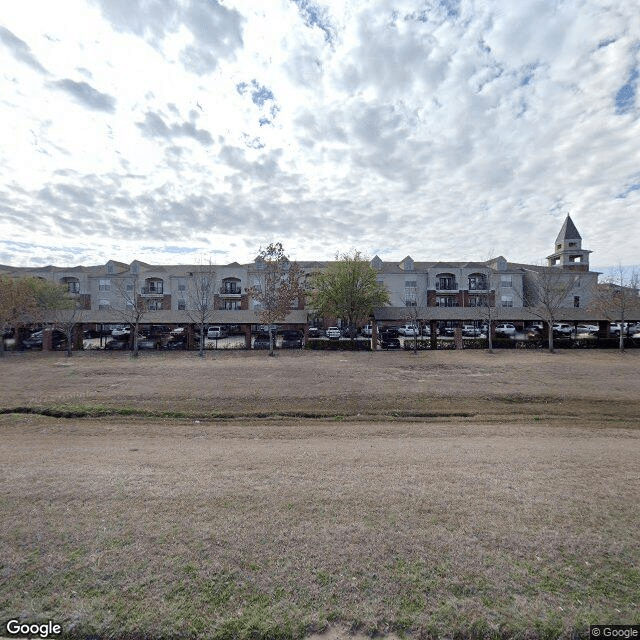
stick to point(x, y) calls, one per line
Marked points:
point(603, 328)
point(47, 339)
point(433, 338)
point(457, 336)
point(374, 335)
point(247, 336)
point(78, 334)
point(190, 337)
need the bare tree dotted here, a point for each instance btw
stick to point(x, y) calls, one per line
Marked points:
point(131, 306)
point(486, 301)
point(200, 301)
point(545, 292)
point(66, 316)
point(279, 286)
point(413, 305)
point(617, 299)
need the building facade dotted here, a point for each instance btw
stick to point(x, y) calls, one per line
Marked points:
point(169, 292)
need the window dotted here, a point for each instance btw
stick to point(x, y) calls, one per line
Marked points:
point(477, 282)
point(575, 259)
point(182, 305)
point(410, 303)
point(446, 282)
point(103, 305)
point(232, 305)
point(155, 305)
point(446, 301)
point(506, 281)
point(507, 301)
point(576, 301)
point(105, 285)
point(129, 286)
point(410, 284)
point(73, 287)
point(109, 268)
point(182, 285)
point(477, 301)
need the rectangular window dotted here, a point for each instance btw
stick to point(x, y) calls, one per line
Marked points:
point(73, 287)
point(446, 301)
point(410, 284)
point(576, 301)
point(232, 305)
point(477, 301)
point(155, 305)
point(506, 281)
point(103, 305)
point(105, 285)
point(182, 285)
point(507, 301)
point(182, 305)
point(410, 303)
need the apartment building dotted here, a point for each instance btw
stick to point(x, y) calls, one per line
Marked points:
point(440, 289)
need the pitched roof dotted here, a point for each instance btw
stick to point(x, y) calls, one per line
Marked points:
point(568, 231)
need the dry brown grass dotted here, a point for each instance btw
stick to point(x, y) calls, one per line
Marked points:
point(519, 519)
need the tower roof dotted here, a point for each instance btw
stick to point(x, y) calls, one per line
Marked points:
point(568, 231)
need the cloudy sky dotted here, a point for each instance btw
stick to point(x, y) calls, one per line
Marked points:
point(176, 130)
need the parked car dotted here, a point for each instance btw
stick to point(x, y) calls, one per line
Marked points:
point(333, 333)
point(261, 341)
point(216, 332)
point(533, 333)
point(562, 329)
point(587, 328)
point(120, 332)
point(506, 329)
point(471, 330)
point(147, 343)
point(349, 332)
point(408, 330)
point(314, 332)
point(292, 340)
point(177, 332)
point(34, 341)
point(389, 339)
point(116, 345)
point(367, 330)
point(426, 330)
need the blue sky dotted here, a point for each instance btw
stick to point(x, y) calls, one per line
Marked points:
point(176, 130)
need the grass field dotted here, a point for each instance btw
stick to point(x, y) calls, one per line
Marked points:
point(446, 494)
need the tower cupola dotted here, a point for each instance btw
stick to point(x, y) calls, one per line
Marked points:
point(568, 252)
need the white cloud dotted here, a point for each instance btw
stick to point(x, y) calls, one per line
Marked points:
point(444, 130)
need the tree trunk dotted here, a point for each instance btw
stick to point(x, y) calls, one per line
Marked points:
point(550, 334)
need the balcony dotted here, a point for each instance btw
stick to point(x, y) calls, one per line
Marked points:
point(152, 291)
point(231, 292)
point(446, 285)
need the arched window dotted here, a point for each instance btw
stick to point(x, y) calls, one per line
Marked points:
point(446, 282)
point(477, 282)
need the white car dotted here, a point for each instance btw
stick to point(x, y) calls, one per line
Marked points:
point(367, 330)
point(506, 329)
point(177, 332)
point(563, 328)
point(408, 330)
point(120, 332)
point(333, 332)
point(215, 332)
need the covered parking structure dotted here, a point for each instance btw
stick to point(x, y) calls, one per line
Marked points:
point(519, 316)
point(245, 319)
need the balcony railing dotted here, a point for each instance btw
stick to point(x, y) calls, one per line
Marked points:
point(152, 291)
point(478, 286)
point(230, 291)
point(446, 286)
